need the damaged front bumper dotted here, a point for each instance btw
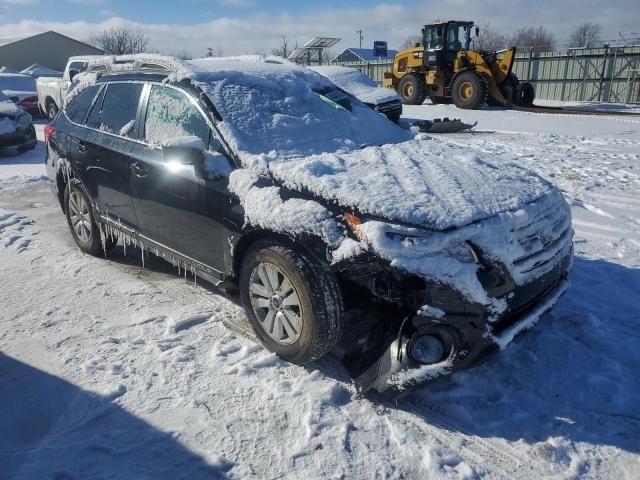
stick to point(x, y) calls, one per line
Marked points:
point(396, 370)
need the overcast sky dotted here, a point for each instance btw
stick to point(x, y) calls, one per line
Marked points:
point(254, 26)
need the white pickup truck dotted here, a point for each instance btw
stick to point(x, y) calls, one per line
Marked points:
point(52, 90)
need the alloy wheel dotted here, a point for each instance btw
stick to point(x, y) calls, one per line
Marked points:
point(80, 217)
point(275, 303)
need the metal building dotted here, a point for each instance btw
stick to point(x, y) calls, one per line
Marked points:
point(50, 49)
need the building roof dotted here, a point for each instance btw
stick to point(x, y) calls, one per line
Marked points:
point(7, 40)
point(366, 54)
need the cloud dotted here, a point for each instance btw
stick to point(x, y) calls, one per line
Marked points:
point(259, 33)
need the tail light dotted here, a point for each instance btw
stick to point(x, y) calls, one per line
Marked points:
point(48, 132)
point(29, 101)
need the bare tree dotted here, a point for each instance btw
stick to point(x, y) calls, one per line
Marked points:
point(120, 41)
point(586, 35)
point(283, 49)
point(539, 39)
point(411, 41)
point(183, 55)
point(490, 39)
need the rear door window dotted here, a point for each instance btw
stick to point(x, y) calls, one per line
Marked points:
point(172, 114)
point(77, 108)
point(116, 109)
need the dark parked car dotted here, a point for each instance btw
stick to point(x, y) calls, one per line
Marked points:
point(16, 129)
point(407, 257)
point(365, 89)
point(21, 89)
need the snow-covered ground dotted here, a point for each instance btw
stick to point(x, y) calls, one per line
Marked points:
point(109, 370)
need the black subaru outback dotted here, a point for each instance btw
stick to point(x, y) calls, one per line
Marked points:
point(405, 256)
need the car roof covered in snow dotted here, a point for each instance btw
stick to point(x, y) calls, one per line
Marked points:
point(270, 105)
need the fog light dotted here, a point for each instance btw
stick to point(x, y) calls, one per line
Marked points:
point(426, 349)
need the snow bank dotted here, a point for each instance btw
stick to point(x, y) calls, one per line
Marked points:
point(357, 84)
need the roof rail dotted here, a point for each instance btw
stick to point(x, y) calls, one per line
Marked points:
point(139, 62)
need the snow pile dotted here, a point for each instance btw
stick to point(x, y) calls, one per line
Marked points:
point(357, 84)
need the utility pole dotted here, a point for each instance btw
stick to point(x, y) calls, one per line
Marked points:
point(361, 35)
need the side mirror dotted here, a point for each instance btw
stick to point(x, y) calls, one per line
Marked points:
point(184, 151)
point(477, 31)
point(190, 151)
point(72, 73)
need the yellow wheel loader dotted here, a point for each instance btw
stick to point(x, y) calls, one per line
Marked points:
point(444, 69)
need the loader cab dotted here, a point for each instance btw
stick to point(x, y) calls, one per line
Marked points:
point(442, 41)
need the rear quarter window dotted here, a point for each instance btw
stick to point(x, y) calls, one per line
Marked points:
point(78, 107)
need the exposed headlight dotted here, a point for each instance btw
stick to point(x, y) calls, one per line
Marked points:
point(463, 252)
point(426, 349)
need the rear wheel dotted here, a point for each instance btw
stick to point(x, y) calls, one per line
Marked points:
point(294, 304)
point(412, 89)
point(52, 110)
point(80, 219)
point(469, 90)
point(525, 94)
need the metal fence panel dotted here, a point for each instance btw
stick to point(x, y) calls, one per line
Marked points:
point(609, 74)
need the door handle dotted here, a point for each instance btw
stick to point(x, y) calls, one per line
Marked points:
point(139, 170)
point(82, 147)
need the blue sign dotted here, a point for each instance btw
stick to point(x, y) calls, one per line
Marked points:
point(380, 49)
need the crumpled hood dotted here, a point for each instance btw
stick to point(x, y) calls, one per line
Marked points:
point(424, 182)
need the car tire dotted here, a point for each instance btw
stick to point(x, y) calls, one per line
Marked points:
point(293, 303)
point(80, 218)
point(394, 117)
point(52, 110)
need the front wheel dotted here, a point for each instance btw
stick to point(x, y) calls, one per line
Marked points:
point(469, 90)
point(412, 89)
point(293, 303)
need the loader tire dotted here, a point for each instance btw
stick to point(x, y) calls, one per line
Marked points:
point(470, 90)
point(412, 89)
point(525, 94)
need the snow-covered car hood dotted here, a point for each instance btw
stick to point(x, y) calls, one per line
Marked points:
point(423, 182)
point(357, 84)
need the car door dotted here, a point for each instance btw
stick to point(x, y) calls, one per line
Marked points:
point(175, 205)
point(107, 144)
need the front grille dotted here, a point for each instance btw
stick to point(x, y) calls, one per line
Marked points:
point(390, 107)
point(545, 240)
